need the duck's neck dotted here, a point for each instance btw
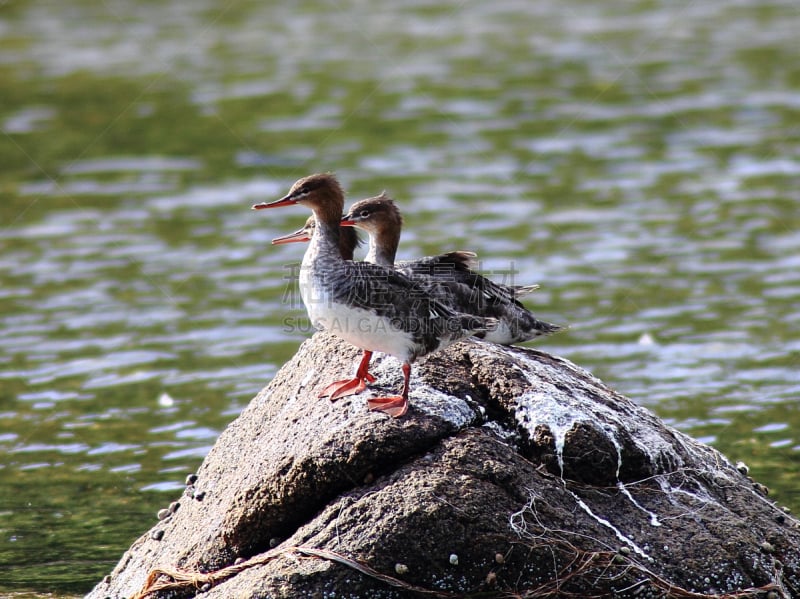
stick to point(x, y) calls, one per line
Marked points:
point(383, 247)
point(324, 246)
point(348, 240)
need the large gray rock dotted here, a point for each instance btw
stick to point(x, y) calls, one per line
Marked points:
point(515, 473)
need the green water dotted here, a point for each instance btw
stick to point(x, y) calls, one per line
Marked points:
point(639, 160)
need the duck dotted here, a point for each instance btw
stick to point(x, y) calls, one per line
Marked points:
point(370, 306)
point(348, 242)
point(449, 277)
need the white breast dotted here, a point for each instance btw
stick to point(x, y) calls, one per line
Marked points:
point(359, 327)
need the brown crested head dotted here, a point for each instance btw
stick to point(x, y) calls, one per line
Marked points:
point(378, 215)
point(308, 227)
point(320, 192)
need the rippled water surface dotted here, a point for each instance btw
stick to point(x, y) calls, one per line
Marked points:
point(639, 160)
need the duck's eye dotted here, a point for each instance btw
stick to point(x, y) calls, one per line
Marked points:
point(364, 213)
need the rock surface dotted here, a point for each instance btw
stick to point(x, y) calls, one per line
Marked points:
point(515, 473)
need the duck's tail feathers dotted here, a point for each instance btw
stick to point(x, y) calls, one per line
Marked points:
point(540, 328)
point(522, 290)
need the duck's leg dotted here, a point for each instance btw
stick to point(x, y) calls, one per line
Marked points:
point(352, 386)
point(397, 405)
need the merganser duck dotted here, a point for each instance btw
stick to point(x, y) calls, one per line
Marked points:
point(348, 242)
point(368, 305)
point(449, 277)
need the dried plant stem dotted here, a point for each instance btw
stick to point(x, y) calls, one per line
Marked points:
point(178, 580)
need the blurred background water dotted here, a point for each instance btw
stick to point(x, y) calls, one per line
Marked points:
point(640, 160)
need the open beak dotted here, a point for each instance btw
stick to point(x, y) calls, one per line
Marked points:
point(347, 222)
point(295, 237)
point(287, 201)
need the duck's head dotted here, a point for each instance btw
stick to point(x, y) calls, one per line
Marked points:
point(320, 192)
point(378, 216)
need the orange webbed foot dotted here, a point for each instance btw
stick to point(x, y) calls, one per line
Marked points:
point(352, 386)
point(343, 388)
point(394, 406)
